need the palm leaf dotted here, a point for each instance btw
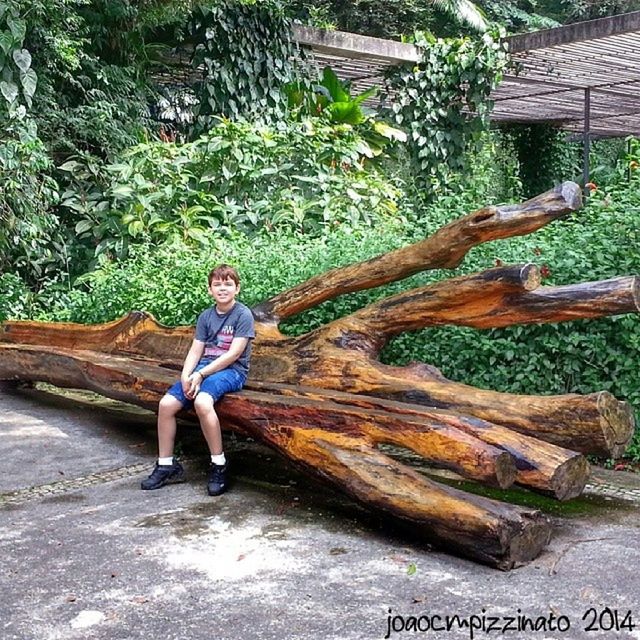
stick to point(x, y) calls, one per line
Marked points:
point(464, 11)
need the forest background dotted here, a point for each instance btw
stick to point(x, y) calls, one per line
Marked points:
point(141, 143)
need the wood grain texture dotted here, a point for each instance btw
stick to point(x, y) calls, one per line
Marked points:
point(332, 442)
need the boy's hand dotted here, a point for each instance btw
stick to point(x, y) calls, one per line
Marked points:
point(191, 385)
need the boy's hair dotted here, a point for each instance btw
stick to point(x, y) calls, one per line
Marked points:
point(222, 272)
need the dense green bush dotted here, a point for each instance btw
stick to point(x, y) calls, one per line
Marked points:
point(31, 243)
point(169, 280)
point(244, 54)
point(544, 156)
point(443, 104)
point(16, 299)
point(300, 176)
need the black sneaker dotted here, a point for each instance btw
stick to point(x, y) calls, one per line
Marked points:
point(217, 483)
point(164, 474)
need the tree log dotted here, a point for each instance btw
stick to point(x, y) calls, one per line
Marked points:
point(144, 383)
point(331, 442)
point(491, 299)
point(541, 466)
point(325, 402)
point(596, 424)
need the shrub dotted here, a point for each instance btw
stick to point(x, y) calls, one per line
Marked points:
point(169, 280)
point(302, 177)
point(16, 299)
point(30, 242)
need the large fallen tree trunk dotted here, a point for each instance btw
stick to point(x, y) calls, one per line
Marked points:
point(325, 401)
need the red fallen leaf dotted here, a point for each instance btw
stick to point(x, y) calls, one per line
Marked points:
point(498, 262)
point(591, 186)
point(620, 467)
point(545, 272)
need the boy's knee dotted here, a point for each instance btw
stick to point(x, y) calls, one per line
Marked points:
point(169, 404)
point(203, 403)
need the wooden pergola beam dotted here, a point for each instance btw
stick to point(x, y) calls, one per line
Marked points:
point(353, 45)
point(577, 32)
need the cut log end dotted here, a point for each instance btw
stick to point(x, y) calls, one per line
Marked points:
point(570, 478)
point(572, 194)
point(527, 544)
point(617, 422)
point(505, 470)
point(495, 533)
point(531, 277)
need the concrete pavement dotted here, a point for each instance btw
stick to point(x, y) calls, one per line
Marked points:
point(87, 555)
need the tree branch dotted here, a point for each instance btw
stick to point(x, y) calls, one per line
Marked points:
point(446, 302)
point(444, 249)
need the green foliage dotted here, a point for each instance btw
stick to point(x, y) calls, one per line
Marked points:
point(517, 16)
point(579, 10)
point(16, 299)
point(443, 104)
point(388, 19)
point(612, 160)
point(93, 90)
point(245, 50)
point(491, 176)
point(169, 280)
point(31, 243)
point(304, 176)
point(330, 99)
point(17, 78)
point(545, 157)
point(98, 109)
point(399, 18)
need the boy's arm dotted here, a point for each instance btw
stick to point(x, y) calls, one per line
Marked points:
point(235, 351)
point(193, 357)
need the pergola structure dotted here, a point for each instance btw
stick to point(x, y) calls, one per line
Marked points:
point(583, 77)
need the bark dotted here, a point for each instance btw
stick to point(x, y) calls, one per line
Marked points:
point(541, 466)
point(445, 249)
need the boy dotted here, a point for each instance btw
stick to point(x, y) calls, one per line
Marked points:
point(217, 363)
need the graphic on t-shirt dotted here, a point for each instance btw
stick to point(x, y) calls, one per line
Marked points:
point(221, 344)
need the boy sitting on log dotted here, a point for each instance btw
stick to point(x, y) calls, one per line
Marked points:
point(217, 363)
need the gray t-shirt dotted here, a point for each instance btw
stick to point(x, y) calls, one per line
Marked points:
point(218, 330)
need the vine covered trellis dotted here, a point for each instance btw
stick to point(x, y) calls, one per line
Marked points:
point(443, 102)
point(245, 52)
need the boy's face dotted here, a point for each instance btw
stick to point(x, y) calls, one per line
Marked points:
point(223, 292)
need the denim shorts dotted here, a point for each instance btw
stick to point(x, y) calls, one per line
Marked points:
point(216, 385)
